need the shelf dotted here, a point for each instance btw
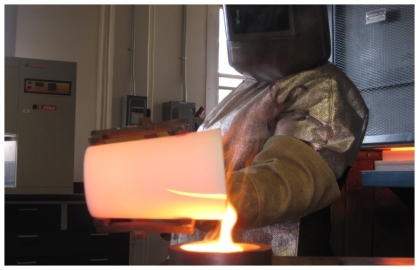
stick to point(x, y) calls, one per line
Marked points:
point(388, 179)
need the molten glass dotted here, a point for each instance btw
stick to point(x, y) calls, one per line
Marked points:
point(224, 243)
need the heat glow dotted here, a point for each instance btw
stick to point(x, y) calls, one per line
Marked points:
point(224, 244)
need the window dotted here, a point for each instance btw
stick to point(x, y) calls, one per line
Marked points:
point(228, 77)
point(221, 77)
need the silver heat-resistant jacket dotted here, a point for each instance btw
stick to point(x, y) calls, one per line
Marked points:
point(285, 144)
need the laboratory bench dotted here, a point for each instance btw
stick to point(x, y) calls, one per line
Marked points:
point(372, 224)
point(58, 230)
point(51, 229)
point(374, 216)
point(276, 260)
point(355, 261)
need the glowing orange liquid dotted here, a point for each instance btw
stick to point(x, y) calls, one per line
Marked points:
point(218, 247)
point(224, 244)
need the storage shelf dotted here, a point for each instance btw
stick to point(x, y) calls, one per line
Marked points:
point(388, 179)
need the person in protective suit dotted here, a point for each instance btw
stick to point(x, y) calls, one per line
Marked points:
point(290, 129)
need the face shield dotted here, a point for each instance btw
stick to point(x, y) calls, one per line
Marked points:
point(269, 42)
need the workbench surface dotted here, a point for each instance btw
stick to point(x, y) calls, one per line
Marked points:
point(276, 260)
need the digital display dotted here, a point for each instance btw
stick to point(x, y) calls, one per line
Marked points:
point(47, 87)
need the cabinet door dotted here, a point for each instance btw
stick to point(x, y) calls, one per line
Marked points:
point(34, 244)
point(47, 234)
point(110, 259)
point(96, 248)
point(79, 218)
point(113, 259)
point(28, 218)
point(95, 244)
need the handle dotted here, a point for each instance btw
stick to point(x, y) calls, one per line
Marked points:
point(99, 260)
point(31, 262)
point(27, 236)
point(99, 234)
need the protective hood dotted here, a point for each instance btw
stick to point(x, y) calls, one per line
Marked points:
point(269, 42)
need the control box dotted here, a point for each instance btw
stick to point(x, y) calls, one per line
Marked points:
point(180, 110)
point(133, 108)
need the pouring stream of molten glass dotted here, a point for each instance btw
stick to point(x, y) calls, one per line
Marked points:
point(225, 242)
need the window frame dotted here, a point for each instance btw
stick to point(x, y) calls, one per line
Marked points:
point(211, 91)
point(213, 75)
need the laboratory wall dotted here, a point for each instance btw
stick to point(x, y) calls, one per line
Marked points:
point(147, 40)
